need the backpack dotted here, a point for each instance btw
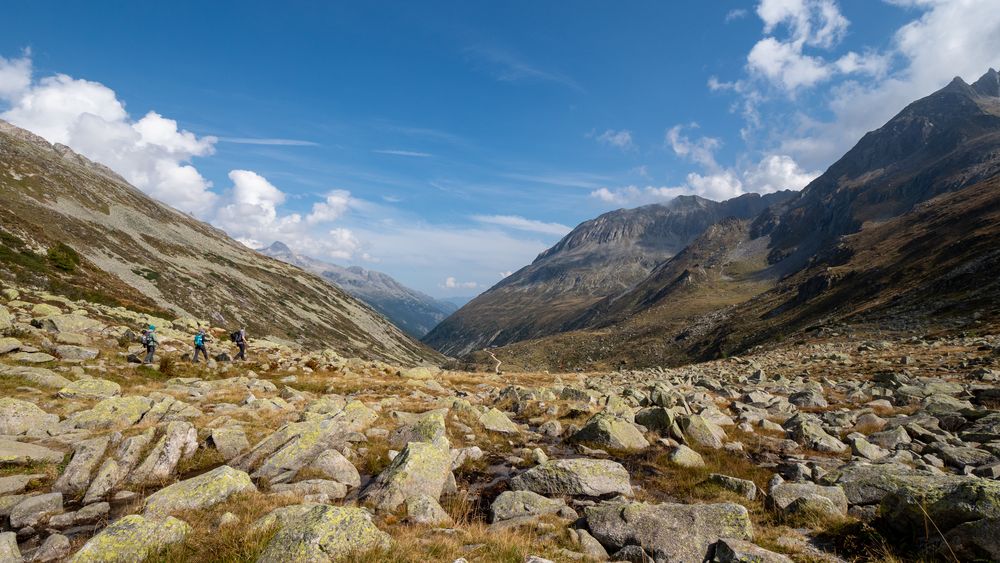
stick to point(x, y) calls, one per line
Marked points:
point(235, 337)
point(199, 340)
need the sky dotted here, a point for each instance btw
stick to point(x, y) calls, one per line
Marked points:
point(448, 143)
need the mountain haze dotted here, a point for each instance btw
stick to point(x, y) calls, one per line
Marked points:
point(76, 227)
point(414, 312)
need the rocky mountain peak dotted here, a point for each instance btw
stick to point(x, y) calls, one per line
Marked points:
point(278, 247)
point(988, 84)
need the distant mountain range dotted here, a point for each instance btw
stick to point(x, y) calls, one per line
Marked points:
point(412, 311)
point(77, 229)
point(599, 258)
point(902, 232)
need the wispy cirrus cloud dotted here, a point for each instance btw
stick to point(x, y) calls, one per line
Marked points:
point(268, 141)
point(396, 152)
point(523, 224)
point(508, 67)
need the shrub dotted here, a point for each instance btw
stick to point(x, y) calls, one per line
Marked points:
point(64, 257)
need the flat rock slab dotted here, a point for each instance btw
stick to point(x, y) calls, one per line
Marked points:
point(20, 453)
point(583, 476)
point(132, 538)
point(323, 533)
point(203, 491)
point(90, 389)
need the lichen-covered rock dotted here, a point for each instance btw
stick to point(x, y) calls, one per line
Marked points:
point(230, 441)
point(131, 538)
point(41, 377)
point(19, 453)
point(55, 548)
point(86, 456)
point(426, 427)
point(333, 465)
point(519, 504)
point(781, 496)
point(741, 551)
point(21, 417)
point(314, 490)
point(55, 322)
point(583, 476)
point(426, 511)
point(808, 432)
point(203, 491)
point(323, 534)
point(9, 553)
point(34, 509)
point(422, 468)
point(742, 487)
point(686, 457)
point(71, 352)
point(114, 413)
point(605, 430)
point(495, 420)
point(866, 484)
point(16, 484)
point(179, 441)
point(668, 532)
point(946, 500)
point(702, 432)
point(116, 468)
point(90, 389)
point(974, 541)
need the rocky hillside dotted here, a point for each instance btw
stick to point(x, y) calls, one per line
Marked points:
point(599, 258)
point(76, 228)
point(901, 228)
point(834, 449)
point(414, 312)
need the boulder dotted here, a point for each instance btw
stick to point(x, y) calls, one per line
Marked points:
point(55, 548)
point(32, 357)
point(421, 469)
point(333, 465)
point(742, 487)
point(21, 417)
point(808, 432)
point(685, 457)
point(230, 441)
point(16, 484)
point(78, 353)
point(8, 345)
point(426, 511)
point(37, 376)
point(9, 553)
point(946, 500)
point(700, 431)
point(314, 490)
point(71, 323)
point(784, 494)
point(741, 551)
point(609, 431)
point(866, 484)
point(86, 456)
point(974, 541)
point(495, 420)
point(323, 533)
point(34, 509)
point(90, 389)
point(519, 504)
point(197, 493)
point(582, 476)
point(19, 453)
point(668, 532)
point(426, 427)
point(131, 538)
point(178, 440)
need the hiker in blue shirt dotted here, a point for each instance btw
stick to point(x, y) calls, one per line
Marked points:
point(200, 345)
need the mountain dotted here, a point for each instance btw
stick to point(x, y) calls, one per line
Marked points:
point(76, 228)
point(901, 232)
point(412, 311)
point(601, 257)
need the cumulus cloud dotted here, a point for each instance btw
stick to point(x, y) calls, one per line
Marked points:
point(451, 283)
point(701, 150)
point(331, 208)
point(522, 224)
point(777, 172)
point(152, 153)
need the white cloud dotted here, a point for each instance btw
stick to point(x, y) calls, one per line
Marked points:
point(621, 139)
point(395, 152)
point(785, 65)
point(152, 153)
point(15, 77)
point(777, 172)
point(736, 14)
point(506, 274)
point(817, 23)
point(522, 224)
point(451, 283)
point(331, 208)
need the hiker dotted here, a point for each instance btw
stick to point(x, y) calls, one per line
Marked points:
point(149, 341)
point(240, 338)
point(200, 345)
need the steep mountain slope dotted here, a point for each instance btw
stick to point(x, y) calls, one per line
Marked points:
point(76, 227)
point(601, 257)
point(414, 312)
point(901, 231)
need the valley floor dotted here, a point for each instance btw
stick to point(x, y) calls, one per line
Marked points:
point(828, 450)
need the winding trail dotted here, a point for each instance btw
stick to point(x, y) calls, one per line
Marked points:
point(495, 359)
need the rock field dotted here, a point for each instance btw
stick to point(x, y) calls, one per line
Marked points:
point(828, 450)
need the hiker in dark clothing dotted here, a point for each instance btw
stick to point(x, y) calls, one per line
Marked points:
point(200, 345)
point(240, 337)
point(149, 341)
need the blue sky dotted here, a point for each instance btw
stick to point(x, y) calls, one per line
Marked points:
point(447, 143)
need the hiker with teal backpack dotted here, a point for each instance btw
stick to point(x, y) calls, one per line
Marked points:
point(200, 345)
point(149, 341)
